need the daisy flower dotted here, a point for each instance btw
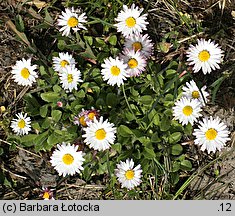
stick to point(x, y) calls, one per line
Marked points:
point(70, 77)
point(206, 55)
point(141, 43)
point(23, 72)
point(114, 71)
point(130, 21)
point(211, 135)
point(128, 176)
point(47, 194)
point(64, 59)
point(70, 19)
point(67, 160)
point(187, 110)
point(21, 125)
point(86, 116)
point(99, 134)
point(191, 91)
point(135, 61)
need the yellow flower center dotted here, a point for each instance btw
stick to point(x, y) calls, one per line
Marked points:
point(68, 159)
point(72, 22)
point(63, 63)
point(70, 78)
point(211, 134)
point(129, 174)
point(21, 124)
point(195, 94)
point(46, 195)
point(115, 71)
point(187, 110)
point(25, 73)
point(91, 115)
point(204, 55)
point(130, 22)
point(132, 63)
point(100, 134)
point(137, 46)
point(82, 121)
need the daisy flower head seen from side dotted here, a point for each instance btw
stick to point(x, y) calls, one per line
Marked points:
point(130, 21)
point(70, 19)
point(135, 61)
point(114, 71)
point(191, 91)
point(211, 135)
point(24, 73)
point(64, 59)
point(127, 175)
point(187, 111)
point(69, 77)
point(67, 160)
point(21, 125)
point(206, 55)
point(141, 43)
point(99, 134)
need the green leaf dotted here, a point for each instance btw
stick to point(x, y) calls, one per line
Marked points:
point(53, 139)
point(40, 140)
point(61, 45)
point(176, 166)
point(19, 23)
point(29, 140)
point(46, 123)
point(43, 110)
point(48, 17)
point(155, 138)
point(1, 151)
point(175, 137)
point(89, 40)
point(146, 100)
point(186, 165)
point(111, 99)
point(124, 131)
point(36, 126)
point(174, 177)
point(188, 129)
point(117, 147)
point(176, 149)
point(42, 70)
point(165, 123)
point(50, 96)
point(56, 115)
point(149, 153)
point(113, 40)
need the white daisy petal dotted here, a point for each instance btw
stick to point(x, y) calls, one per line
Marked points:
point(67, 160)
point(141, 43)
point(23, 72)
point(64, 59)
point(21, 125)
point(127, 175)
point(130, 21)
point(69, 77)
point(70, 19)
point(135, 61)
point(206, 55)
point(211, 135)
point(191, 91)
point(99, 134)
point(114, 71)
point(187, 110)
